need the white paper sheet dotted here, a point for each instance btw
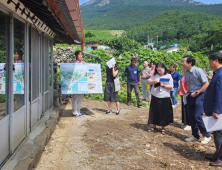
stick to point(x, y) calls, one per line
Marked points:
point(185, 98)
point(212, 124)
point(111, 62)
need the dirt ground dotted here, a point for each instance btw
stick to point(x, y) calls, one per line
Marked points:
point(110, 142)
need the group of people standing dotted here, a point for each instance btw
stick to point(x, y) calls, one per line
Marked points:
point(160, 88)
point(198, 97)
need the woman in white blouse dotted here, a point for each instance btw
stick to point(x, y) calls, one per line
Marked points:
point(161, 111)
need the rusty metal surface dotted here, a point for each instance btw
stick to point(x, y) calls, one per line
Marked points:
point(59, 13)
point(75, 13)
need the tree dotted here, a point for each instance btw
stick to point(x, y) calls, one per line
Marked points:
point(204, 41)
point(122, 44)
point(89, 35)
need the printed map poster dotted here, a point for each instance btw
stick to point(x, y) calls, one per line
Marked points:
point(80, 78)
point(18, 79)
point(2, 78)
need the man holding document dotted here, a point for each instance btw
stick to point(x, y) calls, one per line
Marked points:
point(213, 105)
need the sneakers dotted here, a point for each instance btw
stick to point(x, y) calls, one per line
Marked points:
point(205, 140)
point(175, 105)
point(191, 139)
point(187, 128)
point(109, 111)
point(78, 115)
point(117, 112)
point(75, 113)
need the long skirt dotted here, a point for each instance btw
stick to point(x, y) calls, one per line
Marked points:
point(161, 111)
point(185, 113)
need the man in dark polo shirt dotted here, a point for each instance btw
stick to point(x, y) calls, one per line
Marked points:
point(133, 80)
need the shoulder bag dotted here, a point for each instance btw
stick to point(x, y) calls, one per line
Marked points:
point(117, 83)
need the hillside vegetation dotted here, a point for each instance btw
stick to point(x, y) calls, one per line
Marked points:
point(145, 55)
point(172, 25)
point(125, 14)
point(103, 34)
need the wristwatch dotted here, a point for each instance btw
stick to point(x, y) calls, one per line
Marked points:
point(197, 93)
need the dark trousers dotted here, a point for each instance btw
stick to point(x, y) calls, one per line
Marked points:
point(185, 113)
point(195, 107)
point(130, 87)
point(218, 144)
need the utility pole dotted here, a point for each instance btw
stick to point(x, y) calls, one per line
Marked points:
point(157, 39)
point(133, 39)
point(148, 39)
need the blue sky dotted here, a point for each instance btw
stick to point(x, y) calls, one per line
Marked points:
point(208, 1)
point(203, 1)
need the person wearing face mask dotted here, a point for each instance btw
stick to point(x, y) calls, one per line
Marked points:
point(77, 98)
point(161, 111)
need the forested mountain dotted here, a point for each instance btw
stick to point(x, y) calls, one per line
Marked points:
point(172, 25)
point(125, 14)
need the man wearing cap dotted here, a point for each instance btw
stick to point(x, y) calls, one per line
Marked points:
point(144, 76)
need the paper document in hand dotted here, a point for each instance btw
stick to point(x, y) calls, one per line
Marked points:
point(111, 62)
point(164, 81)
point(212, 124)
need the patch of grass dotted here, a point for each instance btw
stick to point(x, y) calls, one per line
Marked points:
point(92, 158)
point(104, 34)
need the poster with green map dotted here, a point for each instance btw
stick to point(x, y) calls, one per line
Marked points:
point(80, 78)
point(18, 79)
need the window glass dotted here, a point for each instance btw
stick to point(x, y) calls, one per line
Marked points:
point(19, 61)
point(4, 30)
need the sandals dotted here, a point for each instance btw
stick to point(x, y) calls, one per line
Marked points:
point(163, 131)
point(151, 129)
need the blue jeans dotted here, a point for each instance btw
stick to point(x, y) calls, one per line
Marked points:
point(195, 106)
point(173, 95)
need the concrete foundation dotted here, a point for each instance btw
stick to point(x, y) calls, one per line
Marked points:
point(29, 152)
